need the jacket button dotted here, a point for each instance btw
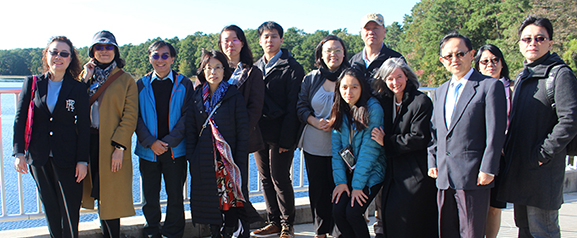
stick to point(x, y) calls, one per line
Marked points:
point(448, 153)
point(51, 118)
point(51, 133)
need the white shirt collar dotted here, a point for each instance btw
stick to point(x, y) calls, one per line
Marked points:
point(155, 77)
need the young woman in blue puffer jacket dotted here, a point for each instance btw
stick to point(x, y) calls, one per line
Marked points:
point(354, 114)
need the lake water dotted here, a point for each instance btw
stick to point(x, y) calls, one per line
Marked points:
point(29, 187)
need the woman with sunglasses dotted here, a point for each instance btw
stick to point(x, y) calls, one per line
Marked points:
point(314, 108)
point(113, 115)
point(57, 153)
point(217, 142)
point(490, 61)
point(358, 161)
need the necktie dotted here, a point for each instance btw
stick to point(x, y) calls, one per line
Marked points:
point(451, 102)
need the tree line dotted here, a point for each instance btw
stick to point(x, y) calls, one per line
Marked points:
point(484, 22)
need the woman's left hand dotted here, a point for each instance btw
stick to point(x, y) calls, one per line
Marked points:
point(81, 171)
point(116, 163)
point(378, 134)
point(359, 196)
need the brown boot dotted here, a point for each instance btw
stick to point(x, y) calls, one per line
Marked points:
point(267, 231)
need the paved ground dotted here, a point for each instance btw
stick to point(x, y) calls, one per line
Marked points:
point(567, 218)
point(568, 223)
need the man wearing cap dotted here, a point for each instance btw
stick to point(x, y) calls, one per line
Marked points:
point(375, 52)
point(163, 97)
point(368, 61)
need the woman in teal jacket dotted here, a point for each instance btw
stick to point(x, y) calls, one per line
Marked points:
point(360, 178)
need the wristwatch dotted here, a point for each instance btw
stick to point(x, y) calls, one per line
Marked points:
point(119, 147)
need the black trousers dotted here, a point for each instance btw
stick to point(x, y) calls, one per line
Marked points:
point(351, 219)
point(174, 173)
point(110, 228)
point(321, 186)
point(61, 196)
point(463, 213)
point(274, 169)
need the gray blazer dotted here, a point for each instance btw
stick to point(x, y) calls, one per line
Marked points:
point(475, 138)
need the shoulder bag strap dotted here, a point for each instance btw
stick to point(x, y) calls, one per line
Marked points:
point(105, 85)
point(208, 118)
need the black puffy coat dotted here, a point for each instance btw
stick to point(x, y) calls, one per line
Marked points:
point(232, 121)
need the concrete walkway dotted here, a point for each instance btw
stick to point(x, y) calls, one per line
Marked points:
point(568, 223)
point(567, 218)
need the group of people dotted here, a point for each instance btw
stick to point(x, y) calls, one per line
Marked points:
point(366, 131)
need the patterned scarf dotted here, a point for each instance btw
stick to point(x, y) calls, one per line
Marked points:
point(218, 140)
point(100, 76)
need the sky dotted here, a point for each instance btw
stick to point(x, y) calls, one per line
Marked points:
point(31, 23)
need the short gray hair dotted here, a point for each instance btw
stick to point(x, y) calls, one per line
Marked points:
point(380, 87)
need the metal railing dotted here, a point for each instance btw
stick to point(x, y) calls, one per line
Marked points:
point(38, 213)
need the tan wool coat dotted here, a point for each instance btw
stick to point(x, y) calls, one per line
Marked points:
point(118, 115)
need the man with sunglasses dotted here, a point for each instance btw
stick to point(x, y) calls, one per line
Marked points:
point(163, 98)
point(468, 129)
point(543, 122)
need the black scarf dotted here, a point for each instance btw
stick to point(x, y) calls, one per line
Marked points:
point(333, 76)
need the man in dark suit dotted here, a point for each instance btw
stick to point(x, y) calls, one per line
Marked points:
point(468, 130)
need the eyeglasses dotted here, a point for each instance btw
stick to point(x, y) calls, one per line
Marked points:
point(495, 61)
point(102, 47)
point(529, 39)
point(335, 51)
point(209, 69)
point(458, 55)
point(163, 56)
point(61, 53)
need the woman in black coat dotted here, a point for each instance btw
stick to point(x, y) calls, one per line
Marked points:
point(409, 195)
point(217, 133)
point(58, 151)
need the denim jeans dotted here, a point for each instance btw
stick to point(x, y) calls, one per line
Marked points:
point(534, 222)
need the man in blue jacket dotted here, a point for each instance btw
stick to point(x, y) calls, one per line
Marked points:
point(163, 100)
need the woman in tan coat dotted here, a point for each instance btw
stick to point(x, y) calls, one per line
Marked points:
point(114, 113)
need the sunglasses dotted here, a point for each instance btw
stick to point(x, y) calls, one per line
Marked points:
point(102, 47)
point(538, 39)
point(163, 56)
point(495, 61)
point(61, 53)
point(458, 55)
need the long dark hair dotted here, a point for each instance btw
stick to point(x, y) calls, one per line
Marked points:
point(206, 55)
point(74, 67)
point(359, 112)
point(245, 53)
point(497, 53)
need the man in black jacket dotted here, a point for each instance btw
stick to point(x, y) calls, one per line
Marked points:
point(543, 122)
point(279, 126)
point(368, 61)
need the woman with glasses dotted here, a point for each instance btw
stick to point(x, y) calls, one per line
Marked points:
point(56, 151)
point(248, 80)
point(409, 195)
point(490, 61)
point(314, 108)
point(113, 115)
point(217, 142)
point(358, 161)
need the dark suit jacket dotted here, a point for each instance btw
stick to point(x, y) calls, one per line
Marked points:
point(475, 138)
point(65, 131)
